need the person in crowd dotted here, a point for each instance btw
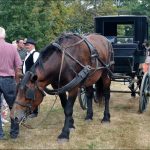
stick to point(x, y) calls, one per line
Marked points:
point(10, 71)
point(146, 44)
point(14, 43)
point(30, 59)
point(21, 48)
point(146, 65)
point(4, 110)
point(4, 106)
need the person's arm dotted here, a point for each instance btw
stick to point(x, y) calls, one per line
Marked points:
point(18, 74)
point(35, 56)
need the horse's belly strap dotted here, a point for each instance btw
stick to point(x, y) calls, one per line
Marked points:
point(78, 79)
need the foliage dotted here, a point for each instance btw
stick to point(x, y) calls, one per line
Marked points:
point(44, 20)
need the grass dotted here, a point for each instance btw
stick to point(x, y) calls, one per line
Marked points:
point(127, 130)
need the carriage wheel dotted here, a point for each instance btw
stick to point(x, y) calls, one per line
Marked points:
point(94, 94)
point(144, 92)
point(82, 98)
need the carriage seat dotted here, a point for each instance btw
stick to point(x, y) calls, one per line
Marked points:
point(124, 57)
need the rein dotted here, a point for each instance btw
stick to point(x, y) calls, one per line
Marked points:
point(42, 121)
point(65, 52)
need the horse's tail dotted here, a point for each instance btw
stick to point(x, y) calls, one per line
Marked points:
point(98, 94)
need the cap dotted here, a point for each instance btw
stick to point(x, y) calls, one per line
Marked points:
point(30, 41)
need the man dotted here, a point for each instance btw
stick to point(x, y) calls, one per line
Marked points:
point(21, 50)
point(30, 59)
point(146, 65)
point(10, 69)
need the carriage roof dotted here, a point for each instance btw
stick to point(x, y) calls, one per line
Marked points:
point(107, 25)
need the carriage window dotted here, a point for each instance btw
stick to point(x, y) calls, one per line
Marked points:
point(125, 33)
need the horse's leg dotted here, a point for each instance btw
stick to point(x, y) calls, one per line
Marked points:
point(63, 98)
point(89, 95)
point(99, 90)
point(68, 110)
point(106, 89)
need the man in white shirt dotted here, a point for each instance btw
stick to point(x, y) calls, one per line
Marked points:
point(30, 59)
point(32, 54)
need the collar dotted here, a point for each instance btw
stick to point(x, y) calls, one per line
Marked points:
point(31, 51)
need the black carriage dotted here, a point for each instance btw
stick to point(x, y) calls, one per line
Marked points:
point(127, 35)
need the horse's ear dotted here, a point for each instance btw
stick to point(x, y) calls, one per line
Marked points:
point(34, 77)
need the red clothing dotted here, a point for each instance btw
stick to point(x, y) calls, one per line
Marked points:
point(9, 59)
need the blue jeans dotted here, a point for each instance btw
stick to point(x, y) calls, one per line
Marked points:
point(8, 88)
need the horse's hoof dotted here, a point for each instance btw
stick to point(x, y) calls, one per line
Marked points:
point(63, 137)
point(60, 141)
point(105, 121)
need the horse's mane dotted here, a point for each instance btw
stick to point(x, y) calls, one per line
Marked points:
point(47, 51)
point(65, 36)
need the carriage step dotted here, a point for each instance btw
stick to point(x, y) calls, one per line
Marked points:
point(117, 91)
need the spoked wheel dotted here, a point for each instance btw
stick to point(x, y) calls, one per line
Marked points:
point(82, 98)
point(144, 92)
point(94, 94)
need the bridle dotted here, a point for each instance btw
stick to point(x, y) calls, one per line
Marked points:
point(30, 94)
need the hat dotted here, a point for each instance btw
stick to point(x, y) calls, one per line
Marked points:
point(30, 41)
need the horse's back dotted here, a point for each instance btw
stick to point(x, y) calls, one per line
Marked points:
point(98, 39)
point(101, 43)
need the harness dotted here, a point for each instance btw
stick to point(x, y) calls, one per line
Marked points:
point(84, 73)
point(30, 94)
point(80, 77)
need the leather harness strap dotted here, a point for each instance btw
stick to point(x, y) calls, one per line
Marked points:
point(78, 79)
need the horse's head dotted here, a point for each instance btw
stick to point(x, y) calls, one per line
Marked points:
point(29, 96)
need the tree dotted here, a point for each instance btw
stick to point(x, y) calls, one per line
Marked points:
point(44, 20)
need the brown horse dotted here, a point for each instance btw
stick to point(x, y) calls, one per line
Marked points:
point(71, 62)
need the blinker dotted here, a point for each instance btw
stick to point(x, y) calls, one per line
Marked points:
point(30, 94)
